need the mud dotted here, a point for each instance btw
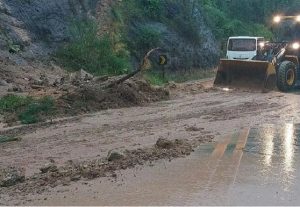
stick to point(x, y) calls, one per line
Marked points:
point(80, 93)
point(192, 116)
point(52, 176)
point(94, 97)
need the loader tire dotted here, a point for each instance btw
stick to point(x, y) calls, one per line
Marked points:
point(287, 76)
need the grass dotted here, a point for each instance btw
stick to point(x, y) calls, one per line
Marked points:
point(5, 139)
point(156, 78)
point(37, 110)
point(88, 51)
point(26, 109)
point(11, 103)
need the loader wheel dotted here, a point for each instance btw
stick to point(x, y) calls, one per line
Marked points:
point(287, 76)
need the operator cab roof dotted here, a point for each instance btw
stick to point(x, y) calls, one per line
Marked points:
point(245, 37)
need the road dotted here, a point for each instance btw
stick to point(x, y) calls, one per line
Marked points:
point(256, 168)
point(235, 169)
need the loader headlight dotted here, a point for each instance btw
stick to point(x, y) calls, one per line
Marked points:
point(277, 19)
point(298, 18)
point(296, 46)
point(261, 44)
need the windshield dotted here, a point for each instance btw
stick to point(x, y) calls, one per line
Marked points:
point(242, 45)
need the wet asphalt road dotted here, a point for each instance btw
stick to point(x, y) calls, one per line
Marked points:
point(257, 166)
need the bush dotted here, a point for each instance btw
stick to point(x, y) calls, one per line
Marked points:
point(5, 139)
point(36, 110)
point(224, 26)
point(147, 38)
point(12, 103)
point(90, 52)
point(155, 78)
point(153, 8)
point(27, 109)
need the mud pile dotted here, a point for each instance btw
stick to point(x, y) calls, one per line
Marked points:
point(52, 175)
point(93, 96)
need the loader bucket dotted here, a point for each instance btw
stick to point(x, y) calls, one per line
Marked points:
point(246, 74)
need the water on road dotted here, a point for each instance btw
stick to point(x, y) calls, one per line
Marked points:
point(257, 166)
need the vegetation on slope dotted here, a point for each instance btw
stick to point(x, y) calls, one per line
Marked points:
point(136, 29)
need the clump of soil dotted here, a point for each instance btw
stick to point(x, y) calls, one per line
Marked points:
point(94, 97)
point(11, 176)
point(53, 176)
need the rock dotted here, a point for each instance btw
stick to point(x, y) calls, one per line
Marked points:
point(42, 81)
point(172, 85)
point(3, 83)
point(194, 129)
point(114, 155)
point(37, 87)
point(50, 167)
point(17, 89)
point(56, 83)
point(11, 176)
point(67, 87)
point(101, 79)
point(164, 143)
point(80, 76)
point(16, 18)
point(75, 178)
point(85, 76)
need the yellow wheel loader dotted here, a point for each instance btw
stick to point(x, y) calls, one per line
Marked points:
point(272, 64)
point(252, 62)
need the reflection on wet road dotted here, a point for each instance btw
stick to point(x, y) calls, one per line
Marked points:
point(258, 166)
point(270, 170)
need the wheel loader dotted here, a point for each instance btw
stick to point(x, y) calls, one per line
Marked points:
point(252, 62)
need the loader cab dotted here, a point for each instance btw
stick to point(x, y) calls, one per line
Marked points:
point(244, 47)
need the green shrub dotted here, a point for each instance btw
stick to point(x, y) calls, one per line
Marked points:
point(153, 8)
point(155, 78)
point(90, 52)
point(224, 26)
point(148, 38)
point(36, 110)
point(27, 109)
point(5, 139)
point(11, 103)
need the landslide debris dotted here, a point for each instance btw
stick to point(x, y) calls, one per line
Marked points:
point(94, 96)
point(80, 93)
point(52, 175)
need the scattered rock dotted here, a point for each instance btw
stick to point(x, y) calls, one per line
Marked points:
point(11, 176)
point(164, 143)
point(114, 155)
point(101, 79)
point(86, 76)
point(3, 83)
point(172, 85)
point(16, 89)
point(42, 81)
point(76, 170)
point(194, 129)
point(75, 178)
point(80, 76)
point(37, 87)
point(50, 167)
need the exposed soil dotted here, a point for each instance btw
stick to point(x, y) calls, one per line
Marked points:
point(51, 176)
point(94, 97)
point(141, 135)
point(75, 93)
